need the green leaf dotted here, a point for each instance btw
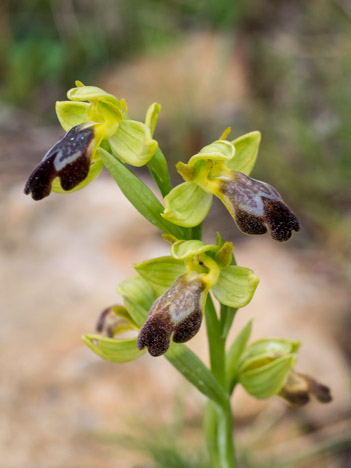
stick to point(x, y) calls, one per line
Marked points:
point(121, 350)
point(246, 148)
point(71, 114)
point(94, 171)
point(138, 193)
point(218, 150)
point(235, 286)
point(268, 380)
point(161, 272)
point(195, 371)
point(187, 205)
point(183, 249)
point(234, 353)
point(133, 143)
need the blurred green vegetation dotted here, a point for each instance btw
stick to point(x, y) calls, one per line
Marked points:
point(295, 57)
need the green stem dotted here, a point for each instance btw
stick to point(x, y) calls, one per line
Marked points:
point(227, 318)
point(197, 232)
point(225, 437)
point(220, 435)
point(216, 343)
point(211, 431)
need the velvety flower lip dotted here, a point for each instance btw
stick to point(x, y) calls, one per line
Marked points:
point(299, 388)
point(178, 311)
point(257, 206)
point(69, 159)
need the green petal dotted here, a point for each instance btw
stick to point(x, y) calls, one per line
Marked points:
point(152, 116)
point(183, 249)
point(187, 205)
point(235, 351)
point(120, 350)
point(235, 286)
point(92, 93)
point(246, 148)
point(71, 114)
point(218, 150)
point(94, 171)
point(133, 143)
point(161, 272)
point(267, 380)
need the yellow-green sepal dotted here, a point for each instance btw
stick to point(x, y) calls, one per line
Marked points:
point(113, 350)
point(138, 289)
point(246, 149)
point(95, 169)
point(133, 143)
point(92, 93)
point(183, 249)
point(71, 113)
point(235, 286)
point(138, 297)
point(187, 205)
point(220, 150)
point(161, 272)
point(266, 381)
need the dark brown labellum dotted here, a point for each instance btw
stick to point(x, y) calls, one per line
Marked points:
point(178, 311)
point(69, 160)
point(257, 207)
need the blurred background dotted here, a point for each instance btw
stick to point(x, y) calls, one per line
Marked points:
point(278, 66)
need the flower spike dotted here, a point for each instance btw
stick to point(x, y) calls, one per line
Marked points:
point(69, 160)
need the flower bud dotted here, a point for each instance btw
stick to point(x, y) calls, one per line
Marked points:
point(178, 311)
point(299, 388)
point(256, 206)
point(265, 366)
point(69, 160)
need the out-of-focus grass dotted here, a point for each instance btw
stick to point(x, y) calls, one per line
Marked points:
point(46, 44)
point(300, 63)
